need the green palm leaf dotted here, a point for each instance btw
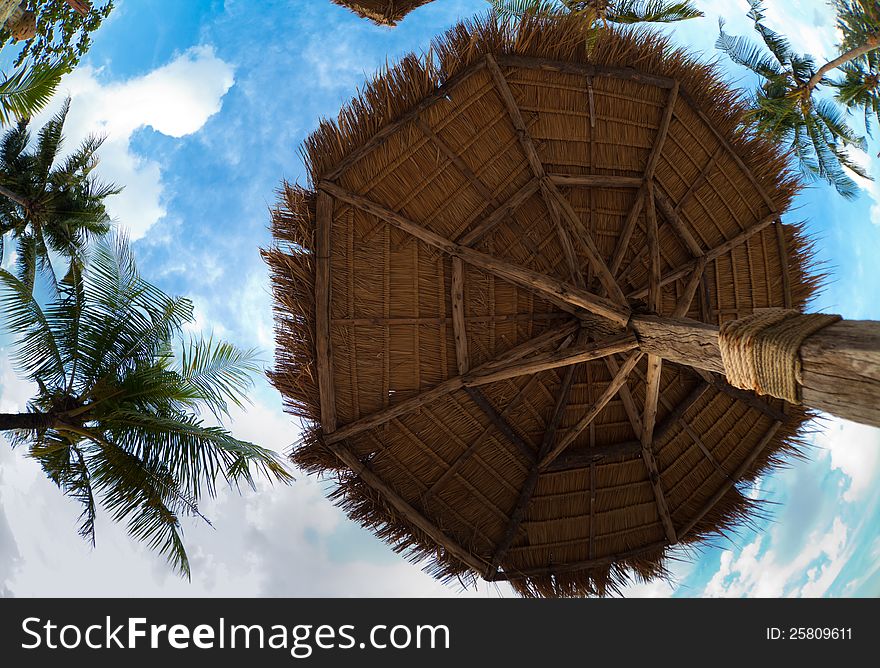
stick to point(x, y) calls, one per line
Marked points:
point(27, 90)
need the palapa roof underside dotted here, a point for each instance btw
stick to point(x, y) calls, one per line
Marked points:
point(442, 385)
point(383, 12)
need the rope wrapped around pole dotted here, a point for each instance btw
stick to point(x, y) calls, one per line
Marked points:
point(761, 352)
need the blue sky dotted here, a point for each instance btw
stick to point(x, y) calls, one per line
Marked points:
point(205, 104)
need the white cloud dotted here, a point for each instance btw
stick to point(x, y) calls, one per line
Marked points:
point(855, 451)
point(758, 571)
point(175, 100)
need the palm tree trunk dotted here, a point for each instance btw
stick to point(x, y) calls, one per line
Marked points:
point(32, 421)
point(18, 199)
point(842, 59)
point(840, 364)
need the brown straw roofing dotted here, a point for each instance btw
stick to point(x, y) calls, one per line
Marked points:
point(442, 465)
point(383, 12)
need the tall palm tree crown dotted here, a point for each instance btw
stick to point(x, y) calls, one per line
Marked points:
point(786, 105)
point(116, 418)
point(605, 11)
point(49, 204)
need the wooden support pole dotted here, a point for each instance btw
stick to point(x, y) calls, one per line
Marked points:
point(552, 288)
point(655, 369)
point(840, 364)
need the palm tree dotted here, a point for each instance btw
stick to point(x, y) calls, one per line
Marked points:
point(785, 108)
point(27, 90)
point(858, 23)
point(115, 419)
point(49, 204)
point(605, 11)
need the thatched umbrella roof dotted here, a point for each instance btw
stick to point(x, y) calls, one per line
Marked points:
point(383, 12)
point(472, 420)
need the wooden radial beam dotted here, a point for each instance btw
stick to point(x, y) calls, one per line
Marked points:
point(654, 374)
point(629, 224)
point(516, 117)
point(404, 508)
point(531, 482)
point(485, 374)
point(553, 289)
point(712, 254)
point(481, 438)
point(593, 411)
point(324, 358)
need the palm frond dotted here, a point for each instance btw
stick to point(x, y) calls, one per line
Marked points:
point(27, 90)
point(219, 372)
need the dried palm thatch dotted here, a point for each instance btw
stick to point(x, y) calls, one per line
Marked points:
point(440, 393)
point(383, 12)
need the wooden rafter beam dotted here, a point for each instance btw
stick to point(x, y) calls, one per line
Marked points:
point(553, 289)
point(479, 440)
point(672, 418)
point(549, 65)
point(459, 328)
point(701, 178)
point(595, 181)
point(485, 374)
point(662, 132)
point(629, 224)
point(690, 289)
point(654, 374)
point(626, 232)
point(531, 482)
point(629, 404)
point(731, 480)
point(405, 509)
point(516, 118)
point(506, 209)
point(501, 424)
point(324, 354)
point(750, 399)
point(576, 566)
point(678, 225)
point(456, 160)
point(585, 239)
point(713, 254)
point(443, 92)
point(586, 457)
point(571, 259)
point(593, 411)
